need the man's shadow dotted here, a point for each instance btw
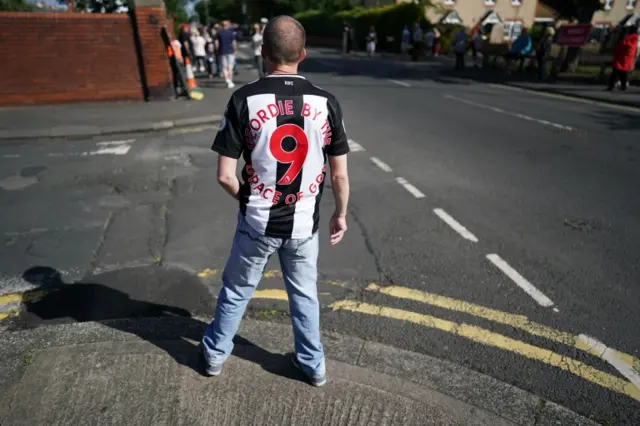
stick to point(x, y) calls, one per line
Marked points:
point(87, 301)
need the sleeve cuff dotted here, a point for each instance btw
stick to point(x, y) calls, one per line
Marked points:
point(223, 151)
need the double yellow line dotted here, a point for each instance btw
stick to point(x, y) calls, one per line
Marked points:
point(489, 338)
point(10, 303)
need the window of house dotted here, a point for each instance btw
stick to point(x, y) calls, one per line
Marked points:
point(449, 2)
point(516, 2)
point(608, 4)
point(490, 2)
point(631, 4)
point(512, 29)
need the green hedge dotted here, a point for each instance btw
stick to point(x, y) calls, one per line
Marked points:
point(388, 20)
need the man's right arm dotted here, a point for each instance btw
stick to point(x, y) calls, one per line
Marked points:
point(229, 145)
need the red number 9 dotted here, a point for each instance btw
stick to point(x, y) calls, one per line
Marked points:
point(294, 157)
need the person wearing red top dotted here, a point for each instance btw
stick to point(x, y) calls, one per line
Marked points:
point(623, 59)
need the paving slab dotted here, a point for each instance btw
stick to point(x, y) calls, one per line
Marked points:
point(147, 372)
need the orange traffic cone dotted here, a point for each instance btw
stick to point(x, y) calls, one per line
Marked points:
point(191, 78)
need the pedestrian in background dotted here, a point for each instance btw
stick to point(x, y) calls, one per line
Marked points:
point(227, 46)
point(214, 35)
point(429, 39)
point(406, 39)
point(544, 50)
point(624, 57)
point(476, 47)
point(437, 39)
point(372, 40)
point(520, 48)
point(210, 51)
point(199, 50)
point(281, 214)
point(460, 44)
point(185, 42)
point(256, 41)
point(417, 42)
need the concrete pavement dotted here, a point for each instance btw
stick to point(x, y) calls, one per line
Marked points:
point(147, 371)
point(491, 228)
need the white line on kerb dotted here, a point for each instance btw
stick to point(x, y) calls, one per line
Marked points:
point(383, 166)
point(11, 156)
point(464, 232)
point(115, 143)
point(355, 146)
point(520, 281)
point(400, 83)
point(412, 189)
point(513, 114)
point(609, 355)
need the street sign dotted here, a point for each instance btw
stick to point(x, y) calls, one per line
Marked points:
point(573, 35)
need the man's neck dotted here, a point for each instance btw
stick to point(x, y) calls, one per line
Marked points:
point(285, 69)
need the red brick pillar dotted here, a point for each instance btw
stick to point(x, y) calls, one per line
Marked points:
point(148, 19)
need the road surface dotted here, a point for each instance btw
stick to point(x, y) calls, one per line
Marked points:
point(489, 226)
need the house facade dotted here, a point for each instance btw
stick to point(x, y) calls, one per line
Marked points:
point(504, 19)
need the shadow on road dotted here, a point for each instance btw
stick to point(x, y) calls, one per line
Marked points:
point(91, 301)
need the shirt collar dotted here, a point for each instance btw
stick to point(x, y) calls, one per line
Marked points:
point(286, 75)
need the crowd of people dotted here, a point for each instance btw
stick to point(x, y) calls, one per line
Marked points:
point(417, 43)
point(213, 50)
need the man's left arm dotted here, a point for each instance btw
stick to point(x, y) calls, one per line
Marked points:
point(229, 146)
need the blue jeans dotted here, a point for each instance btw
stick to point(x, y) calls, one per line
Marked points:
point(249, 255)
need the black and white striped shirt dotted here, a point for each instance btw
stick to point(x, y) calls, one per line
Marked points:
point(284, 127)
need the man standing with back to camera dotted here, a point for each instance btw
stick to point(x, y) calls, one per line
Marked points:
point(284, 128)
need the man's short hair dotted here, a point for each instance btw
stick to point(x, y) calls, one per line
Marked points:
point(283, 40)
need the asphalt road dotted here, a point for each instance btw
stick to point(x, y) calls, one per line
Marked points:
point(488, 226)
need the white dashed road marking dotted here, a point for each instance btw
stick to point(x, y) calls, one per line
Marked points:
point(464, 232)
point(513, 114)
point(400, 83)
point(355, 146)
point(383, 166)
point(121, 147)
point(114, 150)
point(520, 281)
point(412, 189)
point(116, 143)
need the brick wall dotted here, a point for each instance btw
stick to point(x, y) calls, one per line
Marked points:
point(65, 57)
point(150, 21)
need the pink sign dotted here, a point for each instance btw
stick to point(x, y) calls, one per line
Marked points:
point(574, 35)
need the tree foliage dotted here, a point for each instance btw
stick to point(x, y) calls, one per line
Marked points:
point(581, 10)
point(15, 6)
point(256, 9)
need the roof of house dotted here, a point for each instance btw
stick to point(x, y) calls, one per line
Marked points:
point(545, 12)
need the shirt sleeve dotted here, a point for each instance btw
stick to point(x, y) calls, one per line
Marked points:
point(339, 144)
point(229, 141)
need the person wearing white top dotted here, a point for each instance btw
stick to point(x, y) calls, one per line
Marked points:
point(256, 42)
point(372, 40)
point(199, 51)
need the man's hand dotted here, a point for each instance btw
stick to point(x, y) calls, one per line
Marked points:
point(337, 228)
